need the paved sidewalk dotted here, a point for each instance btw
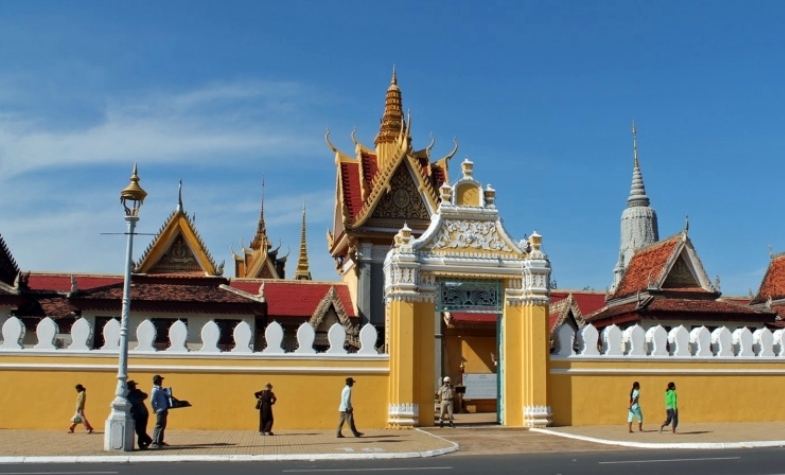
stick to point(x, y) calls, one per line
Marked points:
point(58, 446)
point(688, 436)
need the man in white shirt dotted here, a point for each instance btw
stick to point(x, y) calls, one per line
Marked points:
point(346, 409)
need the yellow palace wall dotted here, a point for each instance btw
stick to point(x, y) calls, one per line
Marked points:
point(38, 390)
point(596, 392)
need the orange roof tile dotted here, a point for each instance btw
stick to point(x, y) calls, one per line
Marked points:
point(773, 284)
point(647, 265)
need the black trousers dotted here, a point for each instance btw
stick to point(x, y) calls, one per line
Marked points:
point(347, 416)
point(672, 415)
point(160, 426)
point(140, 427)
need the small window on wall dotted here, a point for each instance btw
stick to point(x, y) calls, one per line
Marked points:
point(226, 340)
point(162, 326)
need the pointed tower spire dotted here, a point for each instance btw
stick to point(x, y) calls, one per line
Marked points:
point(638, 195)
point(261, 230)
point(180, 195)
point(392, 119)
point(303, 271)
point(638, 221)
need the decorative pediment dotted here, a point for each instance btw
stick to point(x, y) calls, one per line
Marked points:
point(402, 200)
point(177, 248)
point(467, 235)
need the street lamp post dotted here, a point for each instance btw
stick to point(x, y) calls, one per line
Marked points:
point(119, 429)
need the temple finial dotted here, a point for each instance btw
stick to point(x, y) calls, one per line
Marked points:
point(394, 79)
point(638, 195)
point(261, 230)
point(392, 118)
point(686, 223)
point(303, 271)
point(180, 195)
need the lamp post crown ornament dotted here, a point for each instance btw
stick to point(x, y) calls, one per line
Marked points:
point(132, 196)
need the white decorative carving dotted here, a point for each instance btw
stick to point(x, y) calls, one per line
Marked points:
point(700, 342)
point(779, 342)
point(242, 338)
point(13, 334)
point(210, 336)
point(336, 335)
point(273, 335)
point(657, 341)
point(145, 336)
point(368, 336)
point(404, 414)
point(611, 341)
point(679, 341)
point(722, 342)
point(470, 234)
point(762, 342)
point(305, 338)
point(178, 335)
point(742, 342)
point(111, 334)
point(81, 331)
point(588, 341)
point(565, 339)
point(635, 340)
point(537, 416)
point(46, 332)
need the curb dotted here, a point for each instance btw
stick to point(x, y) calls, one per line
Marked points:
point(233, 458)
point(653, 445)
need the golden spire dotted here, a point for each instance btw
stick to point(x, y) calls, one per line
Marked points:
point(303, 272)
point(261, 230)
point(392, 119)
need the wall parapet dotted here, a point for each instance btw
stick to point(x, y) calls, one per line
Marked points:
point(680, 343)
point(13, 333)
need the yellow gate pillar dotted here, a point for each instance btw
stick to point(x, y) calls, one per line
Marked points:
point(526, 345)
point(409, 315)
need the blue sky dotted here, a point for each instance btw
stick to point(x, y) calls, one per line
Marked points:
point(540, 96)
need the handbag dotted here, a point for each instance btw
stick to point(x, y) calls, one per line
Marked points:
point(77, 419)
point(258, 403)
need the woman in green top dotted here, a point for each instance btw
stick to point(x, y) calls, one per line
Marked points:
point(671, 407)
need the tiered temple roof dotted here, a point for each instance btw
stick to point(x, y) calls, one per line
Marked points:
point(384, 186)
point(771, 293)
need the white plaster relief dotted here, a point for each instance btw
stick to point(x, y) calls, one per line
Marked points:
point(471, 235)
point(13, 334)
point(679, 341)
point(763, 342)
point(111, 332)
point(210, 336)
point(635, 340)
point(273, 335)
point(700, 341)
point(588, 341)
point(565, 338)
point(46, 332)
point(368, 336)
point(722, 342)
point(305, 338)
point(178, 334)
point(742, 342)
point(242, 338)
point(611, 341)
point(81, 332)
point(336, 335)
point(145, 336)
point(657, 341)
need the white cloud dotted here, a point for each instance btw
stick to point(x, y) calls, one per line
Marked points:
point(240, 120)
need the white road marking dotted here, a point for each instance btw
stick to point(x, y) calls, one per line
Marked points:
point(672, 460)
point(59, 473)
point(380, 469)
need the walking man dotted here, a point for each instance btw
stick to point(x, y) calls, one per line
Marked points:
point(139, 414)
point(346, 409)
point(161, 404)
point(446, 395)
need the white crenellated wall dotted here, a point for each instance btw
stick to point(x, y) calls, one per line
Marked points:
point(679, 342)
point(142, 338)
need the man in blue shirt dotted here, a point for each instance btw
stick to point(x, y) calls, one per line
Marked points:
point(161, 403)
point(346, 409)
